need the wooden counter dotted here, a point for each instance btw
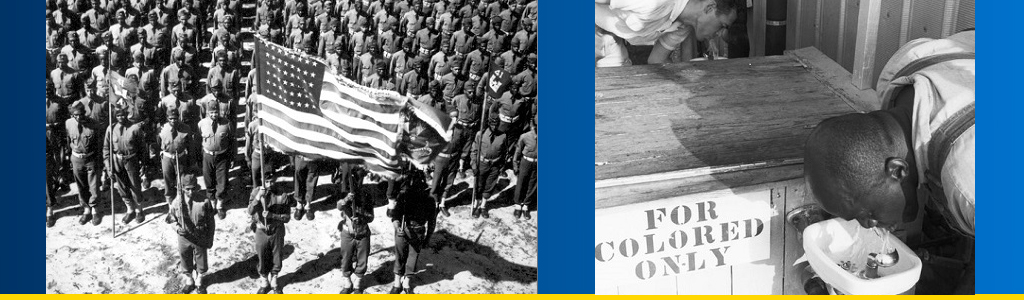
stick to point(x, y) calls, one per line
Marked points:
point(729, 132)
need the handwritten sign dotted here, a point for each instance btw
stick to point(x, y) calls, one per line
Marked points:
point(670, 237)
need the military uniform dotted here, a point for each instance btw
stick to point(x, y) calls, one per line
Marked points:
point(67, 82)
point(125, 149)
point(85, 144)
point(357, 214)
point(487, 155)
point(195, 228)
point(269, 209)
point(307, 172)
point(526, 182)
point(217, 136)
point(175, 142)
point(414, 219)
point(56, 115)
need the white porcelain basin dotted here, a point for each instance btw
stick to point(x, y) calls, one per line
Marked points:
point(830, 242)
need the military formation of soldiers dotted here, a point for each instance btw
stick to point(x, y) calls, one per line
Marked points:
point(474, 59)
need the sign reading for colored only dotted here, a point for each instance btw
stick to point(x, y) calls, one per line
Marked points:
point(677, 235)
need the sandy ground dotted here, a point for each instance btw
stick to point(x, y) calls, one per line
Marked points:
point(465, 255)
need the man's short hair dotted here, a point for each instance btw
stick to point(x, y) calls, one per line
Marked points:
point(724, 7)
point(851, 148)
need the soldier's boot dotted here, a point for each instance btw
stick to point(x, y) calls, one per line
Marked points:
point(397, 287)
point(274, 288)
point(483, 209)
point(406, 284)
point(200, 289)
point(526, 212)
point(300, 210)
point(95, 217)
point(140, 216)
point(50, 220)
point(347, 286)
point(266, 284)
point(391, 206)
point(221, 210)
point(441, 206)
point(128, 216)
point(357, 284)
point(189, 285)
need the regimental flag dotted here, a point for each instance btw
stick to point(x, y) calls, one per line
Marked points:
point(117, 92)
point(307, 111)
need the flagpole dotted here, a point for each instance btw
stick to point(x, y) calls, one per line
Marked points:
point(480, 152)
point(110, 167)
point(259, 132)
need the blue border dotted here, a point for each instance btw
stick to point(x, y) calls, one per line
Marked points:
point(566, 187)
point(23, 236)
point(999, 138)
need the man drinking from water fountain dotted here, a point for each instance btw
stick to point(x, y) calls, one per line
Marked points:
point(874, 167)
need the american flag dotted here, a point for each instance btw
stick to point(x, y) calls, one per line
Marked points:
point(308, 111)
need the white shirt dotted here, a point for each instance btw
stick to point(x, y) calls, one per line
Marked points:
point(940, 91)
point(644, 22)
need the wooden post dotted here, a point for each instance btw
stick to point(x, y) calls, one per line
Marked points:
point(758, 31)
point(867, 38)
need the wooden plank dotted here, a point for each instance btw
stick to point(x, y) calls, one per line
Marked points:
point(795, 197)
point(697, 283)
point(751, 279)
point(807, 31)
point(926, 19)
point(607, 195)
point(841, 31)
point(828, 41)
point(849, 41)
point(838, 80)
point(866, 44)
point(949, 17)
point(662, 118)
point(660, 286)
point(757, 35)
point(888, 41)
point(793, 24)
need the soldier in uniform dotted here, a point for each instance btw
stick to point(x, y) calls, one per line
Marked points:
point(414, 218)
point(124, 147)
point(65, 80)
point(327, 37)
point(307, 172)
point(525, 164)
point(466, 112)
point(84, 144)
point(56, 115)
point(175, 160)
point(218, 136)
point(487, 155)
point(170, 74)
point(477, 62)
point(398, 64)
point(364, 65)
point(117, 57)
point(412, 78)
point(356, 215)
point(76, 53)
point(269, 209)
point(196, 226)
point(463, 41)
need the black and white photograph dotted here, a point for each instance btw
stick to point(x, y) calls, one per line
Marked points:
point(292, 147)
point(784, 147)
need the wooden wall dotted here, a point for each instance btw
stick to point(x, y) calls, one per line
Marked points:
point(861, 35)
